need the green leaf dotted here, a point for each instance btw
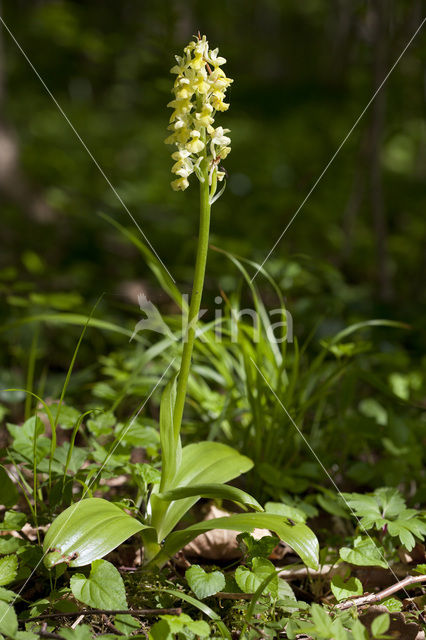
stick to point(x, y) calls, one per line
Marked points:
point(253, 548)
point(87, 531)
point(171, 448)
point(380, 625)
point(126, 623)
point(392, 604)
point(8, 620)
point(177, 625)
point(299, 537)
point(322, 621)
point(421, 568)
point(359, 632)
point(249, 581)
point(364, 554)
point(28, 437)
point(13, 521)
point(204, 584)
point(9, 544)
point(26, 635)
point(203, 462)
point(344, 589)
point(81, 632)
point(285, 592)
point(102, 424)
point(214, 491)
point(281, 509)
point(8, 569)
point(203, 608)
point(6, 595)
point(8, 492)
point(103, 589)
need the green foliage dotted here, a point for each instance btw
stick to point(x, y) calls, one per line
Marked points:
point(86, 531)
point(253, 548)
point(8, 569)
point(204, 584)
point(103, 589)
point(8, 620)
point(380, 625)
point(249, 580)
point(385, 510)
point(365, 553)
point(344, 588)
point(171, 627)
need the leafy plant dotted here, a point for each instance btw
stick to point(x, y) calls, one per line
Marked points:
point(201, 469)
point(385, 511)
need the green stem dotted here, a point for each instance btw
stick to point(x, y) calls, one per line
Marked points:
point(194, 307)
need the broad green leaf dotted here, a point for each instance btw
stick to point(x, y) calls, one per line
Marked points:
point(8, 569)
point(214, 491)
point(249, 580)
point(203, 462)
point(203, 608)
point(87, 531)
point(380, 625)
point(364, 554)
point(8, 620)
point(103, 589)
point(343, 589)
point(204, 584)
point(299, 537)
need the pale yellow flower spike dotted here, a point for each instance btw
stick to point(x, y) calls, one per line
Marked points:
point(199, 91)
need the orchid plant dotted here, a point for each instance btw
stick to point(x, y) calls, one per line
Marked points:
point(92, 527)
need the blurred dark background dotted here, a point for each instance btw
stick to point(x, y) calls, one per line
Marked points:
point(303, 73)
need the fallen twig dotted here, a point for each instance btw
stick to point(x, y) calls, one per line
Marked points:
point(97, 612)
point(381, 595)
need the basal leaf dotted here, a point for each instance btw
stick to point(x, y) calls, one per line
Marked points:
point(87, 531)
point(103, 589)
point(202, 463)
point(299, 537)
point(214, 491)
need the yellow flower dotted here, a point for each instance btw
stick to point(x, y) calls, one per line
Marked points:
point(180, 185)
point(199, 91)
